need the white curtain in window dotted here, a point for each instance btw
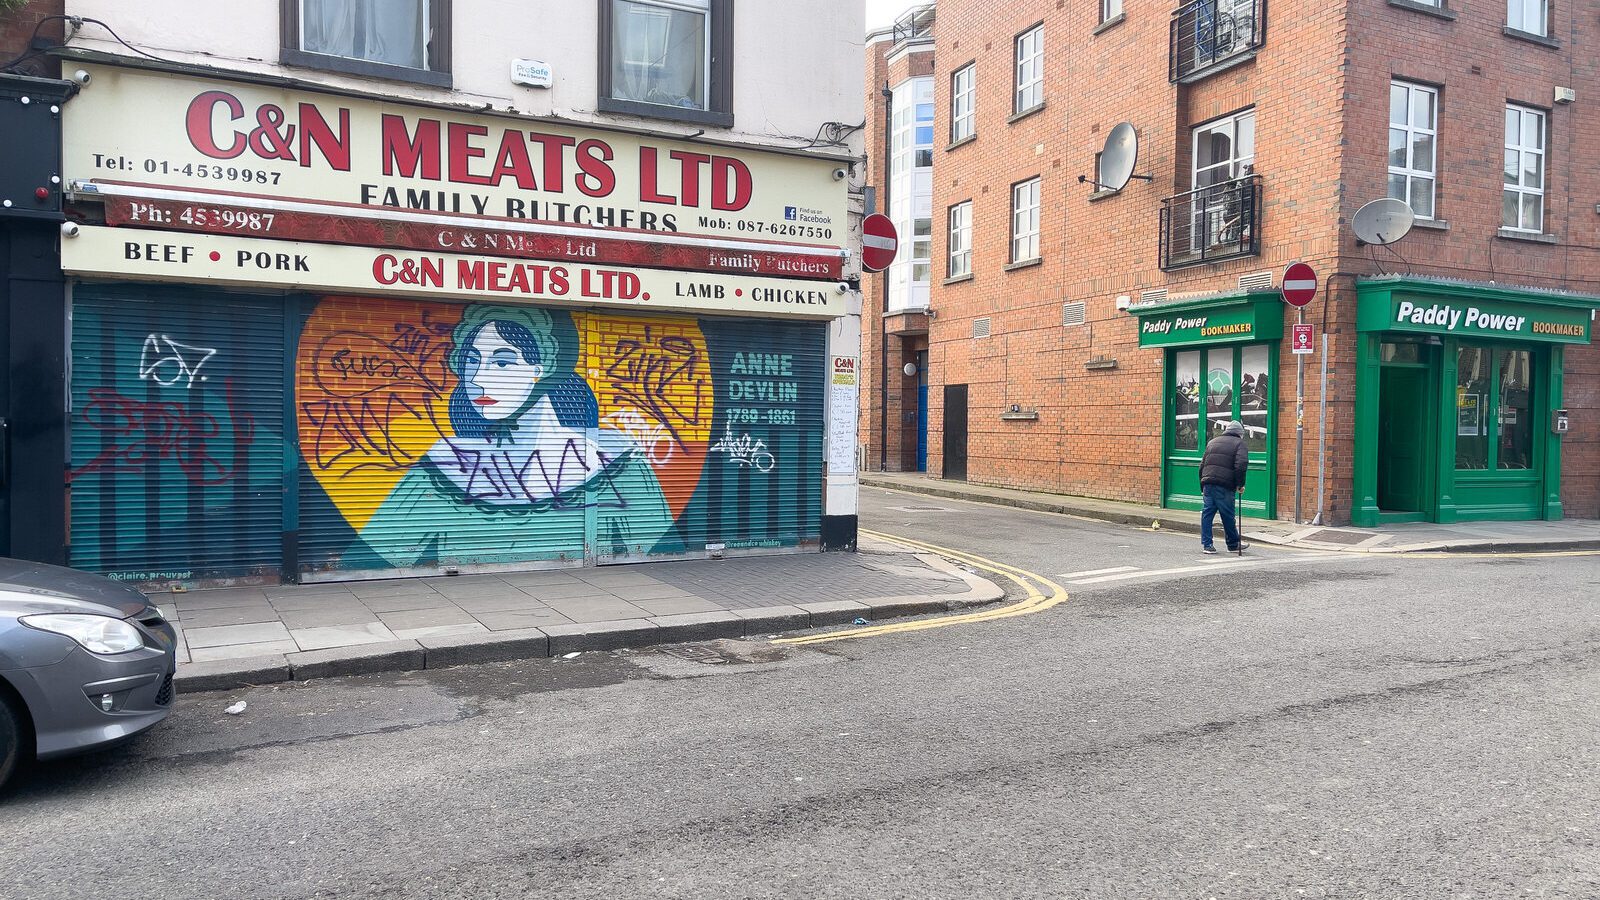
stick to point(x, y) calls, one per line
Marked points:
point(385, 31)
point(658, 52)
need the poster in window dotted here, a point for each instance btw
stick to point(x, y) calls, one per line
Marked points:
point(1469, 415)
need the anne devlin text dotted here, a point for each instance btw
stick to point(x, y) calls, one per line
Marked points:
point(591, 214)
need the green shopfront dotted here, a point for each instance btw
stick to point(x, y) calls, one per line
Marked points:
point(1459, 400)
point(1220, 363)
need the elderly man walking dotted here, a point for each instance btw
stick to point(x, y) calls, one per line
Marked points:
point(1222, 472)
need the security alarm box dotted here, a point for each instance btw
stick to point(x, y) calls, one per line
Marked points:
point(1558, 421)
point(30, 119)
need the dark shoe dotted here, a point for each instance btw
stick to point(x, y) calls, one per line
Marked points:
point(1239, 549)
point(1209, 551)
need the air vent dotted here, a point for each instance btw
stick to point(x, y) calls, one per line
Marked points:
point(1256, 281)
point(1155, 296)
point(1074, 313)
point(980, 327)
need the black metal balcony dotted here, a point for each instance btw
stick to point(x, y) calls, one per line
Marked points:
point(1222, 221)
point(1208, 34)
point(916, 22)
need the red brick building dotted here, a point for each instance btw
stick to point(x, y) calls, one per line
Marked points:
point(1088, 339)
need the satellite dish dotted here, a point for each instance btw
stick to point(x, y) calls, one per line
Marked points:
point(1118, 159)
point(1382, 221)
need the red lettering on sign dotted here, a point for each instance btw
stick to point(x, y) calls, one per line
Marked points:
point(462, 152)
point(198, 121)
point(647, 178)
point(594, 159)
point(512, 160)
point(315, 132)
point(689, 178)
point(730, 184)
point(404, 154)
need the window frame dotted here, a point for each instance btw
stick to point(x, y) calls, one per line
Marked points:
point(1110, 10)
point(971, 95)
point(437, 74)
point(965, 232)
point(1543, 152)
point(1017, 87)
point(719, 87)
point(1410, 172)
point(1038, 200)
point(1235, 161)
point(1523, 6)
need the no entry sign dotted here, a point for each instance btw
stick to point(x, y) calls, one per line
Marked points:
point(879, 241)
point(1299, 284)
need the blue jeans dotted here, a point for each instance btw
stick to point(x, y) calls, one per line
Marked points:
point(1218, 499)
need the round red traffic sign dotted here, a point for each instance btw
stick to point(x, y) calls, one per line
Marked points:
point(879, 241)
point(1299, 284)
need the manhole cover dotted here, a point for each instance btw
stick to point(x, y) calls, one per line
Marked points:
point(718, 653)
point(707, 655)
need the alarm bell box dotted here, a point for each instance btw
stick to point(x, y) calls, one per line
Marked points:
point(30, 153)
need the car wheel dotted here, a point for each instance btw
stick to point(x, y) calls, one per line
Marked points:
point(10, 740)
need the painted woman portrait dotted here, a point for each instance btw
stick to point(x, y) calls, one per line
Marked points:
point(523, 460)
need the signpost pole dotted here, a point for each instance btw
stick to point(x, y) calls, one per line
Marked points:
point(1299, 419)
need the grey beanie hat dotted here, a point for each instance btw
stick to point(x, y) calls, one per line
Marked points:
point(1235, 428)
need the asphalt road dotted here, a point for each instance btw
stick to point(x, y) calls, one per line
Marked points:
point(1293, 726)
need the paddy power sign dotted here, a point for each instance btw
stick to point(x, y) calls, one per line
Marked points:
point(179, 132)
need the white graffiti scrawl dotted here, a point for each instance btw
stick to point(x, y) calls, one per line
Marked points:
point(745, 450)
point(168, 362)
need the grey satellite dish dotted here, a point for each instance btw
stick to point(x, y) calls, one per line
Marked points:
point(1382, 221)
point(1117, 159)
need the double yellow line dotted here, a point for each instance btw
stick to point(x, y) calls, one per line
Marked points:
point(1034, 601)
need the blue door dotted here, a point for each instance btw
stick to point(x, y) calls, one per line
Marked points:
point(922, 427)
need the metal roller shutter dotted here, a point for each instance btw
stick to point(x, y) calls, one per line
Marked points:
point(176, 434)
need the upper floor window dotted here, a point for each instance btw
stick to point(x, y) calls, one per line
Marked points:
point(667, 59)
point(1523, 196)
point(960, 248)
point(1025, 220)
point(1110, 9)
point(406, 40)
point(910, 204)
point(1225, 149)
point(1029, 69)
point(1531, 16)
point(1413, 145)
point(963, 96)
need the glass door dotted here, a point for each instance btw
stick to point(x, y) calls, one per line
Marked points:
point(1497, 448)
point(1206, 389)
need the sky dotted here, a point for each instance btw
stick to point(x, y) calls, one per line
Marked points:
point(881, 13)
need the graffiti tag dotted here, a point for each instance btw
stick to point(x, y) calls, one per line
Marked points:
point(660, 377)
point(745, 450)
point(168, 362)
point(557, 478)
point(137, 433)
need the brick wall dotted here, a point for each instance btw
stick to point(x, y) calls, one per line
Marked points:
point(17, 28)
point(1319, 88)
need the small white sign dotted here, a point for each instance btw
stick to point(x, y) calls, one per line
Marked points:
point(531, 72)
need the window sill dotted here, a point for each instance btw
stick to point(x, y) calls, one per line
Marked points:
point(666, 113)
point(1110, 23)
point(1219, 67)
point(1530, 37)
point(1103, 194)
point(956, 279)
point(961, 143)
point(1431, 224)
point(364, 67)
point(1023, 114)
point(1023, 264)
point(1511, 234)
point(1437, 12)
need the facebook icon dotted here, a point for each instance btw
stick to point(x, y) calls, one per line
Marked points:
point(790, 213)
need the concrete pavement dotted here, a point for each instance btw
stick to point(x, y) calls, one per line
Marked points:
point(1408, 537)
point(262, 635)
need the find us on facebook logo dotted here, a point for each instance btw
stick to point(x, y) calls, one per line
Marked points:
point(791, 212)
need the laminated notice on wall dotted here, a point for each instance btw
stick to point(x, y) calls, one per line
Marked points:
point(842, 397)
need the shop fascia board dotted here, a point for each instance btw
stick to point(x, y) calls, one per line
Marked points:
point(1375, 298)
point(1203, 301)
point(1473, 290)
point(67, 54)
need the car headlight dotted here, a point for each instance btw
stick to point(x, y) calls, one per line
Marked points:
point(97, 634)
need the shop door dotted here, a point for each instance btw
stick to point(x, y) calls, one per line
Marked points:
point(1207, 388)
point(1402, 439)
point(955, 432)
point(729, 415)
point(176, 435)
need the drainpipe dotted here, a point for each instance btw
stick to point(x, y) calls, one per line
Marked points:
point(883, 279)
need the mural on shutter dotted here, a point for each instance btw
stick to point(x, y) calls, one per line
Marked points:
point(177, 447)
point(480, 435)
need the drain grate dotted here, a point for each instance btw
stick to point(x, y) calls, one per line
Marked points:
point(1330, 536)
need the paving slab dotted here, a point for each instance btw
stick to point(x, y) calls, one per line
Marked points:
point(549, 592)
point(241, 651)
point(471, 649)
point(440, 631)
point(210, 617)
point(399, 587)
point(212, 599)
point(219, 635)
point(337, 614)
point(512, 600)
point(596, 609)
point(426, 618)
point(223, 675)
point(341, 635)
point(318, 600)
point(399, 602)
point(514, 620)
point(672, 606)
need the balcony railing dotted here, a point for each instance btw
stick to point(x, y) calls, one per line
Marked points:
point(1222, 221)
point(914, 23)
point(1207, 34)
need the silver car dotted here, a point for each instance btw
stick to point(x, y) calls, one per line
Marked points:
point(84, 662)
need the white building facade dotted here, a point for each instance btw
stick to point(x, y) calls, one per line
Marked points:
point(365, 288)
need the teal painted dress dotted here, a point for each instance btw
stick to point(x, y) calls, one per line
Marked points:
point(525, 497)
